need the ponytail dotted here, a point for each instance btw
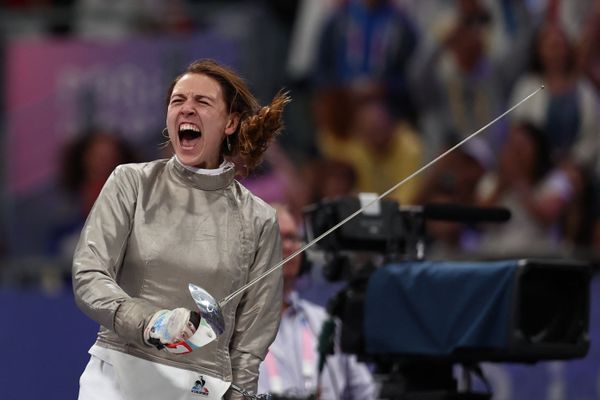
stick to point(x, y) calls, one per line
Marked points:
point(258, 130)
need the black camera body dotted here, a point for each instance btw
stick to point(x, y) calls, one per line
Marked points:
point(427, 315)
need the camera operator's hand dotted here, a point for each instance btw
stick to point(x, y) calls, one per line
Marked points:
point(170, 326)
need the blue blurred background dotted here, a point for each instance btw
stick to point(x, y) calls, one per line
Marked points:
point(379, 86)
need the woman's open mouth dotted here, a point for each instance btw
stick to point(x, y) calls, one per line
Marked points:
point(189, 135)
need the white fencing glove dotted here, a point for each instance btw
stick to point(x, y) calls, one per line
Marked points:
point(170, 326)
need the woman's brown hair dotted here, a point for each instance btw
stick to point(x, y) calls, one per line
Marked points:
point(257, 125)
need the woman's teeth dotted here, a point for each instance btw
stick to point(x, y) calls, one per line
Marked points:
point(188, 127)
point(188, 132)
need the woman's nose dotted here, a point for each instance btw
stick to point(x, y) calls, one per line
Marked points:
point(187, 109)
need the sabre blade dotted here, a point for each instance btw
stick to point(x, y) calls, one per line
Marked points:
point(240, 290)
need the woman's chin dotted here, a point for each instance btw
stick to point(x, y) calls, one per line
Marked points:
point(190, 160)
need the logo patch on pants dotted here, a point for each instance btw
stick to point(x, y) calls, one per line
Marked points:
point(199, 388)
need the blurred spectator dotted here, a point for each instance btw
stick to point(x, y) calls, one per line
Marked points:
point(291, 367)
point(307, 26)
point(328, 179)
point(510, 22)
point(98, 19)
point(443, 237)
point(568, 112)
point(368, 40)
point(454, 179)
point(334, 179)
point(460, 86)
point(587, 149)
point(86, 164)
point(570, 14)
point(583, 206)
point(332, 108)
point(278, 180)
point(511, 31)
point(428, 16)
point(536, 194)
point(381, 148)
point(567, 109)
point(458, 175)
point(589, 50)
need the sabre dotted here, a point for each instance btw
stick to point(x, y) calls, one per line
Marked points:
point(211, 309)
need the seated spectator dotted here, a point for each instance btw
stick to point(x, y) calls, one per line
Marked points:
point(291, 367)
point(536, 194)
point(368, 40)
point(566, 111)
point(589, 49)
point(459, 173)
point(337, 179)
point(86, 164)
point(583, 205)
point(459, 86)
point(278, 180)
point(454, 179)
point(381, 148)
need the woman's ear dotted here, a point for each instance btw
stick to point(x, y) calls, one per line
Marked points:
point(232, 123)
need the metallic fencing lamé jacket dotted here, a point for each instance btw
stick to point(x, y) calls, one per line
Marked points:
point(155, 228)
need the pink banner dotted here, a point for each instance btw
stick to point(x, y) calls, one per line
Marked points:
point(55, 89)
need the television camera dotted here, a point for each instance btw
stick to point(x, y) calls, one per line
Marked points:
point(415, 319)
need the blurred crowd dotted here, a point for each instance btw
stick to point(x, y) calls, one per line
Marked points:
point(380, 88)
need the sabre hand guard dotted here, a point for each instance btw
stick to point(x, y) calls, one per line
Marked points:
point(167, 327)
